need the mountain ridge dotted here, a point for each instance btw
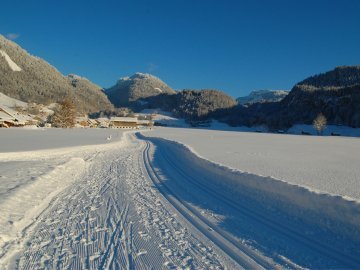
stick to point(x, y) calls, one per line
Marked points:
point(128, 91)
point(262, 96)
point(40, 82)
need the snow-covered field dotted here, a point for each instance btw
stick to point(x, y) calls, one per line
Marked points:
point(73, 199)
point(23, 139)
point(325, 164)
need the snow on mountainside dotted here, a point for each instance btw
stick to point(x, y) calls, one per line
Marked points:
point(11, 63)
point(40, 82)
point(262, 96)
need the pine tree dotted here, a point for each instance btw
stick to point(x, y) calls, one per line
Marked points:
point(64, 116)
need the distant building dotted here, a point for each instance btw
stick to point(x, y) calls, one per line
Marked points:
point(128, 122)
point(123, 122)
point(11, 118)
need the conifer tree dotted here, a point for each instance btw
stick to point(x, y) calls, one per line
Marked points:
point(64, 116)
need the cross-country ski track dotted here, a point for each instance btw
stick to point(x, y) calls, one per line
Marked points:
point(150, 203)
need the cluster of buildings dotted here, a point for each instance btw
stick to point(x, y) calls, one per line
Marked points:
point(114, 122)
point(11, 118)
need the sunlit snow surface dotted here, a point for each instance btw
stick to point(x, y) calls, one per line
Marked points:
point(74, 199)
point(323, 163)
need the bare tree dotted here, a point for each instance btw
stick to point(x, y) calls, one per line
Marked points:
point(64, 116)
point(319, 123)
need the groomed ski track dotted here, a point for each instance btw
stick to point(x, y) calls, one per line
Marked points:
point(138, 206)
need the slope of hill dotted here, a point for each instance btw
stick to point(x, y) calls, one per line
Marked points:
point(89, 95)
point(31, 79)
point(199, 105)
point(336, 94)
point(262, 96)
point(129, 91)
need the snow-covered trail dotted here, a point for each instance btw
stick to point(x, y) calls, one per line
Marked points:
point(254, 218)
point(147, 203)
point(111, 217)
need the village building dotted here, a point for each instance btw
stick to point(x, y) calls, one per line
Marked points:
point(123, 122)
point(85, 122)
point(11, 118)
point(103, 122)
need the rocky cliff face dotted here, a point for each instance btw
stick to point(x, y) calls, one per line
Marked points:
point(31, 79)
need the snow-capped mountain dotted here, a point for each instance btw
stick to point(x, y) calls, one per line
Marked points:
point(263, 96)
point(31, 79)
point(130, 90)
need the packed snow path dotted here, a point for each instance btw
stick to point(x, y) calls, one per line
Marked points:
point(136, 205)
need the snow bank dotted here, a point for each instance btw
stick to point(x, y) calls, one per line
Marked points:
point(17, 216)
point(31, 180)
point(11, 63)
point(336, 214)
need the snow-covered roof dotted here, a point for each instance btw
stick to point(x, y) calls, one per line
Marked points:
point(143, 121)
point(11, 102)
point(10, 114)
point(103, 119)
point(123, 119)
point(5, 116)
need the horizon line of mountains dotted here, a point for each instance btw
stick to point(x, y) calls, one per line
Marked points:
point(335, 94)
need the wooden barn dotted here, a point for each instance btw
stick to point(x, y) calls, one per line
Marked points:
point(123, 122)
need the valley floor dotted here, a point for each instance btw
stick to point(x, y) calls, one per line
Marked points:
point(139, 202)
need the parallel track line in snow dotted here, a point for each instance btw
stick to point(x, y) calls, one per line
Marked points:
point(260, 218)
point(217, 237)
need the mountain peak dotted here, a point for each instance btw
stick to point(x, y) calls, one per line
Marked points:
point(262, 96)
point(129, 90)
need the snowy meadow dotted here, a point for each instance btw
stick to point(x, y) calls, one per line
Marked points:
point(170, 197)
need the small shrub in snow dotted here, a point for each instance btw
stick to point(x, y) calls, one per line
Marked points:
point(320, 123)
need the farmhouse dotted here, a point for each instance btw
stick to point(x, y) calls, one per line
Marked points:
point(84, 121)
point(123, 122)
point(128, 122)
point(103, 122)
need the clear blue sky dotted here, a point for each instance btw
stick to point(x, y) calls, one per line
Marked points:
point(236, 46)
